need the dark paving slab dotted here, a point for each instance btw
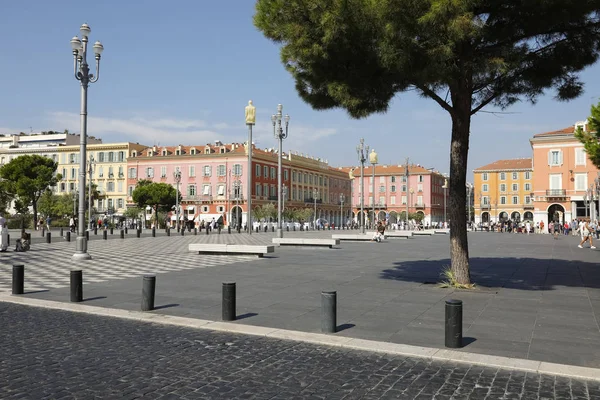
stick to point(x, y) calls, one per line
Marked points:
point(56, 354)
point(533, 291)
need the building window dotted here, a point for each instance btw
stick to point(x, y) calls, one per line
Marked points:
point(110, 187)
point(110, 172)
point(120, 171)
point(393, 188)
point(419, 187)
point(221, 190)
point(579, 156)
point(221, 209)
point(206, 190)
point(149, 172)
point(382, 179)
point(221, 171)
point(111, 156)
point(205, 208)
point(130, 190)
point(503, 200)
point(382, 189)
point(515, 187)
point(403, 200)
point(72, 186)
point(420, 178)
point(73, 173)
point(503, 187)
point(192, 171)
point(393, 179)
point(528, 186)
point(485, 200)
point(484, 187)
point(64, 173)
point(502, 176)
point(404, 188)
point(257, 170)
point(207, 170)
point(527, 175)
point(266, 190)
point(100, 156)
point(266, 171)
point(237, 169)
point(286, 175)
point(305, 178)
point(119, 203)
point(258, 189)
point(163, 172)
point(273, 173)
point(193, 151)
point(191, 190)
point(485, 176)
point(515, 200)
point(403, 178)
point(581, 181)
point(63, 187)
point(120, 186)
point(555, 157)
point(515, 175)
point(393, 200)
point(527, 199)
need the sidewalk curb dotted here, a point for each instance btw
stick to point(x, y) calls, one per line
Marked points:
point(321, 339)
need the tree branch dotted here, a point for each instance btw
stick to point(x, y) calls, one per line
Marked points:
point(485, 103)
point(430, 93)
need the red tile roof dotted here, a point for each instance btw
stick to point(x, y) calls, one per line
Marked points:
point(391, 170)
point(519, 163)
point(562, 132)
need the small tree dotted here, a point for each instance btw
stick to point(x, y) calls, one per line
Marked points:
point(591, 138)
point(159, 196)
point(29, 177)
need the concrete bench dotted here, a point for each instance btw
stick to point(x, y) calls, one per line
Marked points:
point(258, 250)
point(422, 233)
point(395, 234)
point(306, 242)
point(355, 237)
point(442, 231)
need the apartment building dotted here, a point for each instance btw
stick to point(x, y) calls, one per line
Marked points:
point(388, 189)
point(214, 180)
point(503, 190)
point(43, 139)
point(565, 179)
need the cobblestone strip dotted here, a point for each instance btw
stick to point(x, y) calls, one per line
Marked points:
point(57, 354)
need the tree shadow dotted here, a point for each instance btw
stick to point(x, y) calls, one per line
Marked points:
point(503, 272)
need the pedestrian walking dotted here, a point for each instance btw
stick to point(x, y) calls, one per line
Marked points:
point(586, 234)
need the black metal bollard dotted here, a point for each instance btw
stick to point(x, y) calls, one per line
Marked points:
point(294, 228)
point(126, 230)
point(87, 235)
point(229, 229)
point(329, 312)
point(68, 236)
point(139, 233)
point(239, 229)
point(208, 231)
point(111, 231)
point(122, 234)
point(43, 232)
point(219, 229)
point(153, 232)
point(272, 228)
point(168, 232)
point(287, 228)
point(76, 285)
point(18, 279)
point(329, 228)
point(454, 324)
point(61, 232)
point(48, 237)
point(8, 239)
point(257, 229)
point(195, 231)
point(148, 290)
point(228, 301)
point(104, 235)
point(177, 229)
point(95, 231)
point(182, 232)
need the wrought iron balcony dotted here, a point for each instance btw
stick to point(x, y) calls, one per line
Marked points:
point(311, 200)
point(196, 197)
point(417, 205)
point(556, 193)
point(528, 207)
point(485, 206)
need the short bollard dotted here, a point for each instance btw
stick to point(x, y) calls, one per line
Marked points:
point(8, 239)
point(228, 301)
point(329, 312)
point(239, 229)
point(87, 235)
point(207, 231)
point(182, 232)
point(126, 231)
point(168, 232)
point(257, 229)
point(195, 231)
point(266, 228)
point(43, 232)
point(111, 231)
point(287, 228)
point(148, 290)
point(122, 234)
point(229, 229)
point(105, 235)
point(153, 232)
point(219, 231)
point(76, 286)
point(454, 324)
point(95, 231)
point(68, 237)
point(61, 232)
point(139, 233)
point(18, 279)
point(294, 228)
point(48, 237)
point(273, 228)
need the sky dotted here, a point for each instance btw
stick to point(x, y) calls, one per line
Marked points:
point(181, 72)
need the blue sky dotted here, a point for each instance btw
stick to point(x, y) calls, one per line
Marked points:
point(182, 72)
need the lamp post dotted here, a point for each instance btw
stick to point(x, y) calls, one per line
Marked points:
point(91, 172)
point(177, 176)
point(315, 195)
point(279, 134)
point(362, 152)
point(412, 192)
point(250, 112)
point(82, 74)
point(406, 175)
point(373, 160)
point(284, 192)
point(445, 187)
point(342, 198)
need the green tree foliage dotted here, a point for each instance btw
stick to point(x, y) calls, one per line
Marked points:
point(28, 177)
point(591, 138)
point(56, 206)
point(463, 54)
point(159, 196)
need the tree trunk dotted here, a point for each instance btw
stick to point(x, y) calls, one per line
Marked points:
point(459, 150)
point(35, 215)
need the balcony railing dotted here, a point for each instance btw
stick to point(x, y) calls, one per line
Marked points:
point(311, 200)
point(485, 206)
point(556, 192)
point(417, 205)
point(197, 198)
point(528, 207)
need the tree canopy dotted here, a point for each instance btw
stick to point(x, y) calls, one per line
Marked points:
point(159, 196)
point(591, 137)
point(28, 177)
point(463, 54)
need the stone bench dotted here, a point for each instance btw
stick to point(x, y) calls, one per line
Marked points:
point(240, 249)
point(355, 237)
point(422, 233)
point(306, 242)
point(442, 231)
point(395, 234)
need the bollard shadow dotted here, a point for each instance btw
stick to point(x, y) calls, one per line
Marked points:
point(467, 341)
point(166, 306)
point(247, 315)
point(94, 298)
point(343, 327)
point(37, 291)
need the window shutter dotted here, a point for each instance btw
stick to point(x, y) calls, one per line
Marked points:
point(560, 157)
point(549, 157)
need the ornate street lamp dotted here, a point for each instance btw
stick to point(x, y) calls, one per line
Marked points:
point(362, 152)
point(315, 195)
point(445, 187)
point(82, 74)
point(91, 202)
point(373, 160)
point(250, 112)
point(279, 134)
point(342, 198)
point(177, 176)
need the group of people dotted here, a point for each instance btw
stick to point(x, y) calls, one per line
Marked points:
point(586, 229)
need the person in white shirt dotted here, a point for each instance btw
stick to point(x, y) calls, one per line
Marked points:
point(586, 234)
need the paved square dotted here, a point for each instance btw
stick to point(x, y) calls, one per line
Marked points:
point(537, 298)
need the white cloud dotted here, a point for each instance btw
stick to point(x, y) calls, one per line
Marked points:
point(144, 130)
point(301, 137)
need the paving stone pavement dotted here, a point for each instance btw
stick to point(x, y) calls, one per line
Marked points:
point(48, 265)
point(50, 354)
